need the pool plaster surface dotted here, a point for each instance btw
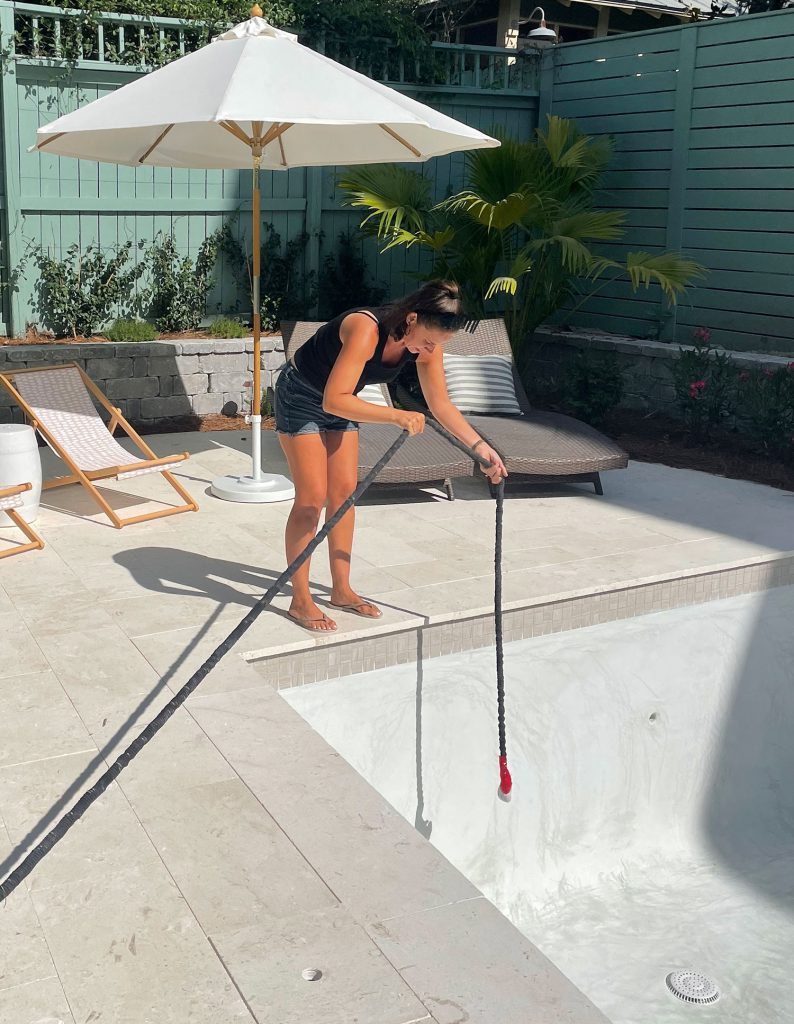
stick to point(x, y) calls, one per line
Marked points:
point(239, 848)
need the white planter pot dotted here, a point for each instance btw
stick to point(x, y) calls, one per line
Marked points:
point(20, 464)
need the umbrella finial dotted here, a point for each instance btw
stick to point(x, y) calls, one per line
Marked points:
point(256, 11)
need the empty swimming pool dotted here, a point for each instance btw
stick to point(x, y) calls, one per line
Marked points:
point(652, 821)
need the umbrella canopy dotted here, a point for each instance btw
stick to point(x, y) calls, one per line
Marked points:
point(256, 86)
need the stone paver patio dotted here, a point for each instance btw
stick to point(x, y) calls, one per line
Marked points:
point(239, 849)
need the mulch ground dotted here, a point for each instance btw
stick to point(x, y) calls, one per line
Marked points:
point(35, 337)
point(657, 439)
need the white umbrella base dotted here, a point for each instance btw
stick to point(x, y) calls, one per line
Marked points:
point(270, 487)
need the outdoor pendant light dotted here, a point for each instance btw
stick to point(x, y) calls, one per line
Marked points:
point(543, 35)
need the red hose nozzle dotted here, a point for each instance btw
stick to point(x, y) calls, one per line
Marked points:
point(505, 780)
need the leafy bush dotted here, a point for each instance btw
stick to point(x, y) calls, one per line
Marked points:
point(227, 327)
point(766, 408)
point(345, 282)
point(130, 330)
point(705, 385)
point(78, 294)
point(179, 284)
point(286, 292)
point(592, 385)
point(522, 232)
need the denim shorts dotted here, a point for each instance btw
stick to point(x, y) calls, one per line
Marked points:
point(299, 407)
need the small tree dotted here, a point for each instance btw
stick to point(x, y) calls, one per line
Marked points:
point(523, 230)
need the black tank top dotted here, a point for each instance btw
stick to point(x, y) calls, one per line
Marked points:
point(315, 359)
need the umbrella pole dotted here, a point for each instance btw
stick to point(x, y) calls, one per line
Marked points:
point(256, 397)
point(258, 487)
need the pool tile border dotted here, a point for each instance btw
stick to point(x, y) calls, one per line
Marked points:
point(468, 633)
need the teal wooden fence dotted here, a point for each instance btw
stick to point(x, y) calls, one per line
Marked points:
point(55, 202)
point(702, 119)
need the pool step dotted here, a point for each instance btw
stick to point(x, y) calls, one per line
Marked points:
point(397, 643)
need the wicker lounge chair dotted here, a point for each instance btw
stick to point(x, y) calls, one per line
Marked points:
point(541, 446)
point(10, 501)
point(424, 461)
point(57, 400)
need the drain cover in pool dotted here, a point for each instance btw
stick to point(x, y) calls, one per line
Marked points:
point(692, 987)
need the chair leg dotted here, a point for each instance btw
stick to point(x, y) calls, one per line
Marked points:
point(448, 488)
point(35, 542)
point(597, 483)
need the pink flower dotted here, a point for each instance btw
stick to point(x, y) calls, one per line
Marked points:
point(790, 367)
point(696, 388)
point(702, 334)
point(768, 373)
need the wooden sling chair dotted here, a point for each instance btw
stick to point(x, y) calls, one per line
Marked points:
point(57, 401)
point(10, 501)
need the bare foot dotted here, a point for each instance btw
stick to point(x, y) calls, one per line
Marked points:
point(349, 601)
point(308, 615)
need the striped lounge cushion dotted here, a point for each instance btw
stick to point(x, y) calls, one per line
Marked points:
point(481, 384)
point(373, 393)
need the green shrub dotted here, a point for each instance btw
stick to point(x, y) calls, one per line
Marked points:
point(179, 284)
point(286, 291)
point(227, 327)
point(78, 294)
point(592, 385)
point(130, 330)
point(345, 282)
point(705, 385)
point(766, 409)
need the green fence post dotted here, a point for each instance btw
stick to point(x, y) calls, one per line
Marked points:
point(314, 212)
point(682, 120)
point(548, 66)
point(9, 140)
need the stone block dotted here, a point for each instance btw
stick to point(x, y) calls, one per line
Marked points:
point(168, 366)
point(217, 362)
point(197, 347)
point(160, 348)
point(274, 360)
point(204, 405)
point(133, 413)
point(166, 386)
point(229, 346)
point(140, 366)
point(228, 382)
point(190, 384)
point(109, 368)
point(132, 387)
point(161, 408)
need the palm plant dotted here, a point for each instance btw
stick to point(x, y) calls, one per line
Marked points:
point(522, 232)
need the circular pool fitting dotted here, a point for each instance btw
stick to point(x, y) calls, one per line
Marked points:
point(693, 987)
point(311, 974)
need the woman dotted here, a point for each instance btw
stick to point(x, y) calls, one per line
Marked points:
point(317, 417)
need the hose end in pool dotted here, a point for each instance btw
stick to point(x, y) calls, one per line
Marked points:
point(505, 780)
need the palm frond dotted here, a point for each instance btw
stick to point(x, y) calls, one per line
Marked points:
point(502, 286)
point(498, 215)
point(671, 271)
point(395, 197)
point(597, 225)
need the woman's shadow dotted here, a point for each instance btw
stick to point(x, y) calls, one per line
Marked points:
point(182, 574)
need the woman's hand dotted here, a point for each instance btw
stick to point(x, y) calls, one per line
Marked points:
point(413, 422)
point(496, 471)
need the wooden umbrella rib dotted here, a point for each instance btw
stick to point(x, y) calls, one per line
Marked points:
point(52, 138)
point(234, 129)
point(155, 144)
point(401, 140)
point(281, 147)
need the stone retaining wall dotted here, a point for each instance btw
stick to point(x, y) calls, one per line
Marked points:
point(646, 365)
point(152, 382)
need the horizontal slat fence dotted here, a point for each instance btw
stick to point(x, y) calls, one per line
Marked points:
point(702, 121)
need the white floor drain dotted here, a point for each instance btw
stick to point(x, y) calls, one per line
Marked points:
point(693, 987)
point(311, 974)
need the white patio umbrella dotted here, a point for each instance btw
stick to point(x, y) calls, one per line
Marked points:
point(255, 97)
